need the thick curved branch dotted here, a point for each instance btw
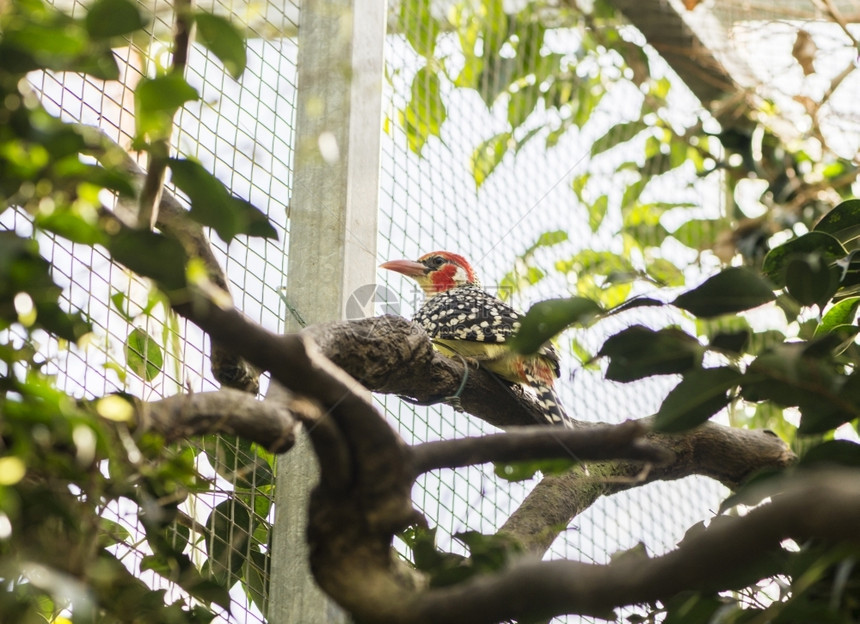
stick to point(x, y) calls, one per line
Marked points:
point(354, 517)
point(541, 442)
point(268, 423)
point(824, 505)
point(389, 354)
point(722, 453)
point(297, 364)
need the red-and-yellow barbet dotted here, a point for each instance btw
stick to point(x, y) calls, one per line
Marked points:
point(464, 319)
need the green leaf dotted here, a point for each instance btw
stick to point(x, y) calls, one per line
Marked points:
point(214, 206)
point(597, 211)
point(584, 355)
point(776, 261)
point(462, 18)
point(488, 155)
point(419, 26)
point(119, 303)
point(633, 192)
point(71, 225)
point(74, 171)
point(494, 28)
point(156, 101)
point(45, 38)
point(548, 318)
point(591, 262)
point(699, 395)
point(665, 272)
point(521, 103)
point(849, 282)
point(841, 314)
point(51, 37)
point(636, 302)
point(638, 352)
point(800, 374)
point(732, 342)
point(152, 255)
point(239, 461)
point(732, 290)
point(489, 553)
point(23, 270)
point(578, 185)
point(620, 133)
point(842, 223)
point(425, 112)
point(113, 18)
point(228, 535)
point(548, 239)
point(810, 280)
point(698, 233)
point(443, 568)
point(841, 452)
point(143, 354)
point(224, 40)
point(256, 577)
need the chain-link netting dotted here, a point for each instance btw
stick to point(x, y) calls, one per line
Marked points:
point(243, 131)
point(430, 202)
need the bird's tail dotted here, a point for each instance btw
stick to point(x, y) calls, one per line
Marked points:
point(553, 410)
point(538, 374)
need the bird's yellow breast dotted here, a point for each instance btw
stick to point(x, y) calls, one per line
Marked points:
point(495, 357)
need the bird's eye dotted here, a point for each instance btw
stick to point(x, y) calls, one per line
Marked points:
point(437, 261)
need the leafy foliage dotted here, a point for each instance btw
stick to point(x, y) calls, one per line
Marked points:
point(813, 373)
point(70, 470)
point(67, 465)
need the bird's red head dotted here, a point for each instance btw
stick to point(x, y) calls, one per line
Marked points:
point(436, 271)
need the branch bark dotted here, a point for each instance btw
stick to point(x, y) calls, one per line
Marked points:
point(820, 505)
point(391, 355)
point(367, 472)
point(534, 443)
point(367, 475)
point(270, 424)
point(726, 454)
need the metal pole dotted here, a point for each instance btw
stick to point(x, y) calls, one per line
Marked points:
point(332, 241)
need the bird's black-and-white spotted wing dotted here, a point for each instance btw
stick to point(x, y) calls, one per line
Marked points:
point(468, 313)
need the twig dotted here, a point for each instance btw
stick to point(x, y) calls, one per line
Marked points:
point(159, 148)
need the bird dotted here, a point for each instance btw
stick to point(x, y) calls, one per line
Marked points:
point(463, 319)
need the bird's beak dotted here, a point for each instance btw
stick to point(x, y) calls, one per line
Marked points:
point(406, 267)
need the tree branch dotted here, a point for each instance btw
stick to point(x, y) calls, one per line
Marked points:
point(820, 505)
point(354, 515)
point(389, 354)
point(268, 423)
point(723, 453)
point(540, 442)
point(159, 148)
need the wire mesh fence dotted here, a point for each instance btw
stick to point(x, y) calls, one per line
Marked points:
point(431, 202)
point(243, 132)
point(440, 198)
